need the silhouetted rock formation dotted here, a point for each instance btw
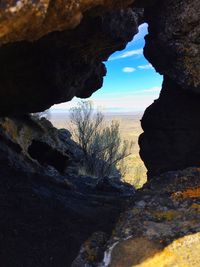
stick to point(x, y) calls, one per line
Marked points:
point(62, 64)
point(172, 45)
point(51, 51)
point(171, 131)
point(171, 125)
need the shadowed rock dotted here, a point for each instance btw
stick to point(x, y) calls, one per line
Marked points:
point(171, 131)
point(54, 69)
point(171, 124)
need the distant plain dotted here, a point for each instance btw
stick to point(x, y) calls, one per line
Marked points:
point(130, 129)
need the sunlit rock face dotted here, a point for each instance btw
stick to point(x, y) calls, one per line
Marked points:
point(30, 20)
point(160, 228)
point(64, 63)
point(171, 126)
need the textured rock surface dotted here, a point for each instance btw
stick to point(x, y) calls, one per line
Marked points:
point(164, 212)
point(44, 16)
point(43, 148)
point(171, 131)
point(44, 222)
point(62, 64)
point(171, 125)
point(181, 252)
point(162, 226)
point(173, 43)
point(47, 210)
point(46, 214)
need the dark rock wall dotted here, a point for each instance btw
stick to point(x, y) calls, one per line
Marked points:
point(60, 55)
point(47, 209)
point(44, 223)
point(51, 51)
point(173, 43)
point(61, 65)
point(171, 130)
point(171, 125)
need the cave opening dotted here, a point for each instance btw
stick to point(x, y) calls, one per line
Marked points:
point(130, 86)
point(46, 155)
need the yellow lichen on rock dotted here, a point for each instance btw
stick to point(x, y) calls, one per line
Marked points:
point(183, 252)
point(134, 251)
point(141, 252)
point(196, 206)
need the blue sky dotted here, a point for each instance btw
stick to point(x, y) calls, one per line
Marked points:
point(131, 83)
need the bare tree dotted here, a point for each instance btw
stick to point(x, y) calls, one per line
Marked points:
point(102, 145)
point(86, 123)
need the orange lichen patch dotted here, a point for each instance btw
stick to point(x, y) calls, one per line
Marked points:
point(166, 215)
point(188, 193)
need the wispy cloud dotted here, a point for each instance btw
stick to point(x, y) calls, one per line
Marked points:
point(145, 67)
point(126, 54)
point(128, 69)
point(151, 90)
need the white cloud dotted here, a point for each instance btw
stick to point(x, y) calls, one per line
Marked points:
point(127, 54)
point(145, 67)
point(154, 89)
point(128, 69)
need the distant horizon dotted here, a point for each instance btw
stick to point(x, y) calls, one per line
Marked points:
point(109, 111)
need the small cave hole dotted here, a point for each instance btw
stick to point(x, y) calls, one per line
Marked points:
point(46, 155)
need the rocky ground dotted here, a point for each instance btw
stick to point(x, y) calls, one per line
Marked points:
point(160, 229)
point(47, 210)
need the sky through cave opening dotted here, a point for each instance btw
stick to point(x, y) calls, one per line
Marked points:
point(131, 83)
point(130, 86)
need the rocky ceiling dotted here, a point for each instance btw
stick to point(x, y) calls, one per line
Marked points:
point(52, 51)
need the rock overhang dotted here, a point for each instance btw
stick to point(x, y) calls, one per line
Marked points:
point(51, 61)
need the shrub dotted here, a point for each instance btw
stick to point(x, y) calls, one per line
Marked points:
point(102, 145)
